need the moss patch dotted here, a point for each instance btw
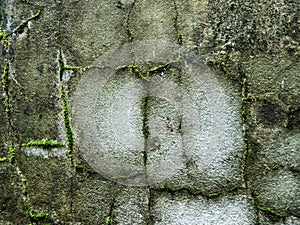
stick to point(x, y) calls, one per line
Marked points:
point(44, 144)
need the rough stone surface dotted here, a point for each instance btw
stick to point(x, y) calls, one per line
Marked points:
point(228, 139)
point(33, 73)
point(185, 119)
point(93, 197)
point(153, 20)
point(89, 29)
point(275, 174)
point(11, 189)
point(186, 209)
point(49, 185)
point(131, 206)
point(3, 131)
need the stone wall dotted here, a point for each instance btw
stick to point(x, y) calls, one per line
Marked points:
point(150, 112)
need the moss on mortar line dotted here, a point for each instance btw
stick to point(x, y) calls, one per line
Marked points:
point(67, 123)
point(44, 144)
point(268, 209)
point(3, 159)
point(34, 217)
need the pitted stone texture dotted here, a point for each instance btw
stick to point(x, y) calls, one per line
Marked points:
point(33, 90)
point(268, 219)
point(151, 20)
point(92, 198)
point(11, 191)
point(180, 128)
point(275, 173)
point(131, 206)
point(49, 184)
point(89, 29)
point(3, 130)
point(274, 76)
point(193, 22)
point(185, 209)
point(292, 221)
point(108, 123)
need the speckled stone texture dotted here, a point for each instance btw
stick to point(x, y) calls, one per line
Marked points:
point(224, 119)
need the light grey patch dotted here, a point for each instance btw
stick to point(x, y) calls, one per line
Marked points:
point(182, 209)
point(44, 153)
point(189, 117)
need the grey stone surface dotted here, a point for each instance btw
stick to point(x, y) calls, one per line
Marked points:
point(153, 20)
point(187, 115)
point(196, 144)
point(275, 177)
point(49, 184)
point(274, 75)
point(186, 209)
point(33, 73)
point(11, 202)
point(89, 29)
point(92, 199)
point(263, 219)
point(131, 206)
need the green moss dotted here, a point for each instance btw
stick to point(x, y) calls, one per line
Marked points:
point(38, 216)
point(213, 195)
point(12, 154)
point(5, 76)
point(224, 67)
point(108, 220)
point(34, 217)
point(69, 133)
point(4, 159)
point(24, 23)
point(44, 144)
point(63, 67)
point(137, 71)
point(3, 37)
point(179, 36)
point(83, 168)
point(268, 210)
point(276, 166)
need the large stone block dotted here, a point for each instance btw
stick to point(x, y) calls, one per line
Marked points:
point(49, 182)
point(89, 29)
point(181, 208)
point(160, 121)
point(33, 89)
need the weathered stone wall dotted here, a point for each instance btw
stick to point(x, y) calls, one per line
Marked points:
point(79, 74)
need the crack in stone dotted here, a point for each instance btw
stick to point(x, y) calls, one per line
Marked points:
point(245, 99)
point(179, 34)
